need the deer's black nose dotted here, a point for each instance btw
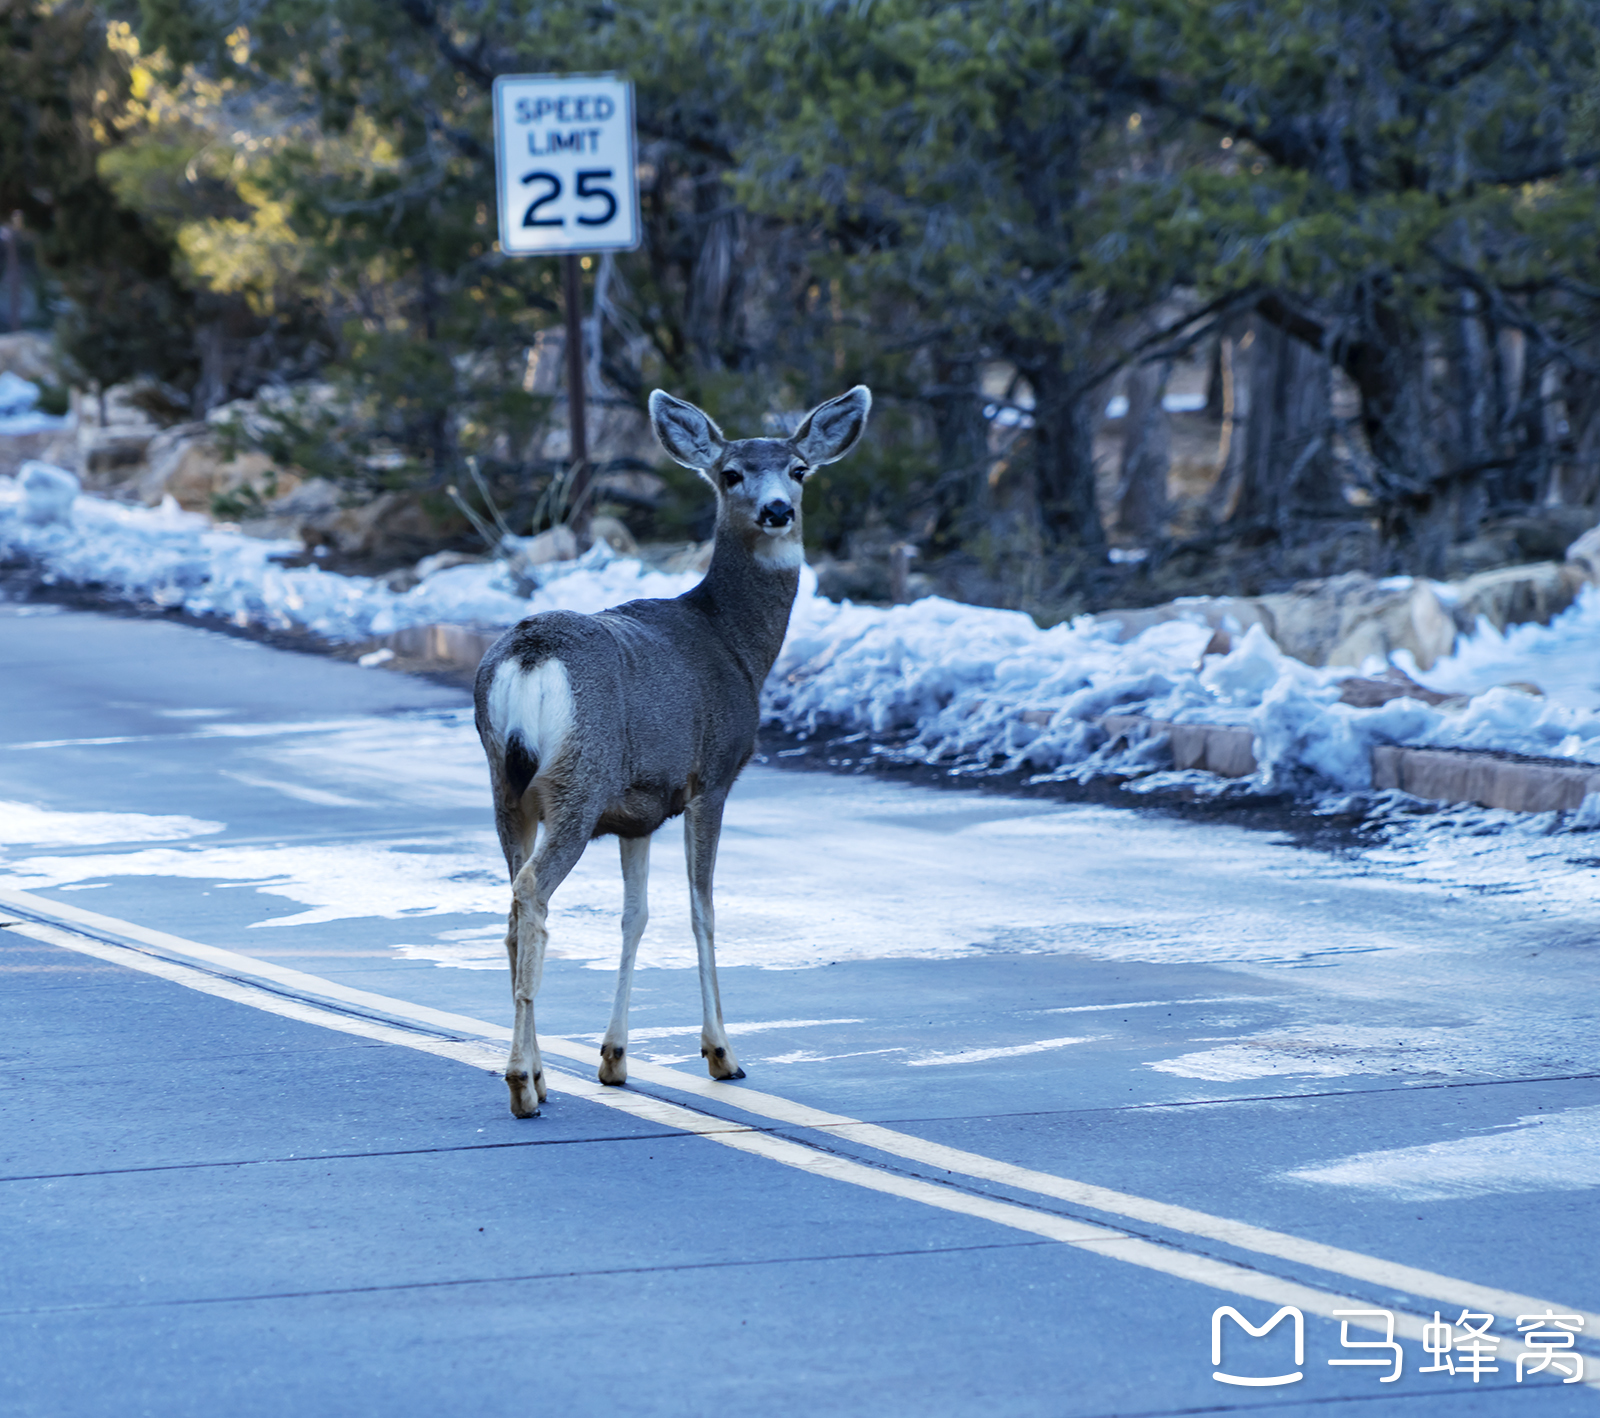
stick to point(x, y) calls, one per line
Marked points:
point(777, 513)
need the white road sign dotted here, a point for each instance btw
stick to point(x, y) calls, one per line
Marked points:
point(564, 165)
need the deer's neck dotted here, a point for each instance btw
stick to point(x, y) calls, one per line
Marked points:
point(747, 594)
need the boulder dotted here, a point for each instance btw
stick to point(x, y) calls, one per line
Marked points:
point(48, 494)
point(389, 527)
point(522, 554)
point(1220, 613)
point(110, 452)
point(1514, 595)
point(1584, 554)
point(614, 534)
point(29, 355)
point(1394, 684)
point(1337, 621)
point(186, 464)
point(403, 578)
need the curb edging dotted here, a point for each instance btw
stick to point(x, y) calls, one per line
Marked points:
point(1447, 775)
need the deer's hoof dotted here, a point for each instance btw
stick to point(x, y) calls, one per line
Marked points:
point(613, 1064)
point(525, 1100)
point(721, 1064)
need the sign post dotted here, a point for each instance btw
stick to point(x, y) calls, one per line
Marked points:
point(566, 184)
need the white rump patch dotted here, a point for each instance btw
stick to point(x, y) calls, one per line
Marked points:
point(536, 703)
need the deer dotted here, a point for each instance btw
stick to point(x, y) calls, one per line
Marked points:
point(610, 724)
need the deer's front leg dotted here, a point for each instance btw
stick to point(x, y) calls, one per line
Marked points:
point(635, 912)
point(702, 827)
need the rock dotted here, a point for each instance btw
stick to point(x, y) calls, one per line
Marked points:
point(1213, 611)
point(48, 494)
point(1585, 555)
point(30, 356)
point(1337, 621)
point(316, 497)
point(390, 527)
point(107, 454)
point(614, 534)
point(186, 464)
point(47, 446)
point(1394, 684)
point(110, 457)
point(522, 554)
point(1515, 595)
point(403, 578)
point(1344, 619)
point(444, 561)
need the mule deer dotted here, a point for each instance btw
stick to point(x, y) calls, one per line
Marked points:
point(613, 723)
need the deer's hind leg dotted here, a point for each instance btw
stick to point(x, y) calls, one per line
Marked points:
point(566, 834)
point(635, 912)
point(516, 820)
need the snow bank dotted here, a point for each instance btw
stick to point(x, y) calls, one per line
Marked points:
point(168, 557)
point(967, 684)
point(18, 411)
point(948, 683)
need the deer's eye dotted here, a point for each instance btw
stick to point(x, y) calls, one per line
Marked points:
point(799, 472)
point(732, 476)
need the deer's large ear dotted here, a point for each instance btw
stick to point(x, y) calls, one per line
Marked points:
point(832, 429)
point(685, 432)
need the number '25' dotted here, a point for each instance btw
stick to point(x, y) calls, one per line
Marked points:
point(588, 186)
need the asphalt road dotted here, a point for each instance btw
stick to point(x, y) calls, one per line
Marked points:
point(1034, 1089)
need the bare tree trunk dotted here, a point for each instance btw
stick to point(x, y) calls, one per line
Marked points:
point(211, 388)
point(961, 434)
point(1281, 470)
point(1146, 456)
point(1063, 454)
point(1235, 390)
point(1580, 471)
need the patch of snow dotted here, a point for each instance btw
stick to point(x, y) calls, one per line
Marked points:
point(18, 407)
point(1539, 1153)
point(24, 823)
point(48, 493)
point(970, 687)
point(968, 1056)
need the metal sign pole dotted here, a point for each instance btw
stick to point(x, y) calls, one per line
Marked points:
point(577, 415)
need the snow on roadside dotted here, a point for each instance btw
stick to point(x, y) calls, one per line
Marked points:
point(961, 682)
point(949, 682)
point(19, 413)
point(168, 557)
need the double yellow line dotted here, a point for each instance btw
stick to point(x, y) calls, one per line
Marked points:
point(297, 995)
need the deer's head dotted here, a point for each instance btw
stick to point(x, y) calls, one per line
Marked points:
point(759, 480)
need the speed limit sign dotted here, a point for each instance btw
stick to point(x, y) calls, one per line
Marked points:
point(564, 163)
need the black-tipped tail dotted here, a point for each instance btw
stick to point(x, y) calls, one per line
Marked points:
point(521, 766)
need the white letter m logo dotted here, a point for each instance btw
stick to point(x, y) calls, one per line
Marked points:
point(1250, 1329)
